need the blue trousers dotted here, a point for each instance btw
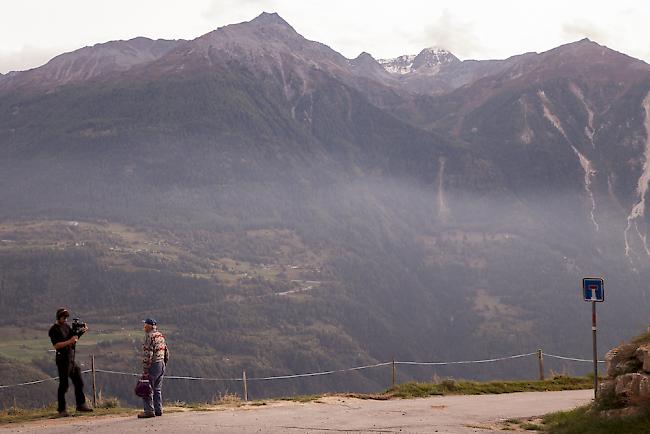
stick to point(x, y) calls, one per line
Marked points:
point(153, 402)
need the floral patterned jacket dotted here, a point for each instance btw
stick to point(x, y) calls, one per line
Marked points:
point(154, 349)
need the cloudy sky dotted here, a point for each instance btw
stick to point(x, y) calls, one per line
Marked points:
point(33, 31)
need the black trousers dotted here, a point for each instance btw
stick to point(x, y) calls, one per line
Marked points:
point(69, 369)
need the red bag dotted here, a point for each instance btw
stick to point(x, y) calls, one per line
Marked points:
point(143, 387)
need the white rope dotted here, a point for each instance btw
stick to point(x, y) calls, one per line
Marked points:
point(313, 374)
point(465, 362)
point(176, 377)
point(572, 358)
point(29, 383)
point(169, 377)
point(104, 371)
point(278, 377)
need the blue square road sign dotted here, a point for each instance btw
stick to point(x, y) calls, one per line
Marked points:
point(593, 289)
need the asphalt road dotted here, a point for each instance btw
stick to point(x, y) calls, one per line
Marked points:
point(443, 414)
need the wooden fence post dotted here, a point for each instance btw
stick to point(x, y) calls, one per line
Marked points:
point(394, 373)
point(92, 368)
point(540, 357)
point(245, 387)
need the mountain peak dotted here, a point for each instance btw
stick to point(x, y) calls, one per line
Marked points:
point(366, 65)
point(270, 18)
point(398, 65)
point(428, 59)
point(432, 57)
point(364, 55)
point(590, 52)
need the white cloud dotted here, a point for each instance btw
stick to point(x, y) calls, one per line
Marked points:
point(579, 29)
point(243, 10)
point(452, 33)
point(26, 58)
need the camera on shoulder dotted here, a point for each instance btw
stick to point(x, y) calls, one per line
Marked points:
point(78, 327)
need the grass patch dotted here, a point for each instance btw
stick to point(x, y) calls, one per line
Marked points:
point(531, 427)
point(584, 421)
point(302, 398)
point(453, 387)
point(19, 415)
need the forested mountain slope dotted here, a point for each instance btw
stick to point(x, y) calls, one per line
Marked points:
point(280, 208)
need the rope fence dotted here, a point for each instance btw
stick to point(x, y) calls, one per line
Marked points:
point(573, 359)
point(467, 362)
point(539, 353)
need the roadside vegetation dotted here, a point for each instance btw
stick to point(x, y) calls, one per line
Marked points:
point(585, 421)
point(460, 387)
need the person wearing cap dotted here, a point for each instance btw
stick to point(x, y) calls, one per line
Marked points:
point(154, 360)
point(64, 343)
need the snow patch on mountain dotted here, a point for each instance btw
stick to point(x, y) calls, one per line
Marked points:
point(399, 65)
point(428, 60)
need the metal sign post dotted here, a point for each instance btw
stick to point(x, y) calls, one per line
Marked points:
point(593, 290)
point(593, 331)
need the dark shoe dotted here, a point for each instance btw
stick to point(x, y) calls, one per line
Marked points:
point(158, 413)
point(63, 414)
point(84, 408)
point(145, 415)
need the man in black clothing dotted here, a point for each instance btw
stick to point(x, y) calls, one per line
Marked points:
point(64, 343)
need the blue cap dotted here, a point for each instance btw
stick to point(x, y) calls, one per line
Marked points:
point(150, 321)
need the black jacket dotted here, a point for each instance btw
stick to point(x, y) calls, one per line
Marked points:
point(61, 333)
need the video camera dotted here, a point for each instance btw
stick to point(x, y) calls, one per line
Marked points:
point(78, 327)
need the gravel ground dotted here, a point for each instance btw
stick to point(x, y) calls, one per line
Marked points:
point(441, 414)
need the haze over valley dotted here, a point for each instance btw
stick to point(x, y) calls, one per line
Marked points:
point(280, 208)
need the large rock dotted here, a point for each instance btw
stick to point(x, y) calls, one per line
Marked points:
point(621, 360)
point(642, 354)
point(607, 394)
point(633, 389)
point(606, 388)
point(627, 387)
point(628, 383)
point(644, 388)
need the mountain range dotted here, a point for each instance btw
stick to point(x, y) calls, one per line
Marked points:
point(281, 208)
